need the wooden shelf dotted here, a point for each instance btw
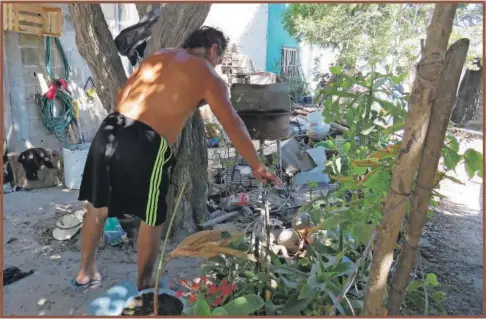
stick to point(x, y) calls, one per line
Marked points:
point(32, 19)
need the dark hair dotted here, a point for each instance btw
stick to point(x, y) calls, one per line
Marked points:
point(205, 37)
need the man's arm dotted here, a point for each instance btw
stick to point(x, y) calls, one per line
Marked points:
point(216, 94)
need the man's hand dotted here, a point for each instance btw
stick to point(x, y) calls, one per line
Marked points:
point(261, 173)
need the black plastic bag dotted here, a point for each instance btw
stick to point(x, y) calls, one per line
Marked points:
point(132, 41)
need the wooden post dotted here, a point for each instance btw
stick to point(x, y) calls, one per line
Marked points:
point(441, 112)
point(416, 125)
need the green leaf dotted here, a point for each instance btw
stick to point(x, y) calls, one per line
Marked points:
point(451, 158)
point(244, 306)
point(342, 94)
point(414, 285)
point(346, 147)
point(388, 106)
point(455, 180)
point(334, 291)
point(201, 308)
point(350, 117)
point(362, 232)
point(431, 280)
point(453, 143)
point(439, 296)
point(328, 144)
point(306, 291)
point(335, 220)
point(336, 70)
point(380, 181)
point(220, 311)
point(294, 306)
point(367, 129)
point(271, 308)
point(474, 162)
point(286, 270)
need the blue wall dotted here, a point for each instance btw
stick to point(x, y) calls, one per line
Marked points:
point(277, 37)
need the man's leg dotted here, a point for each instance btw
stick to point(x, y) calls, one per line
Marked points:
point(149, 239)
point(92, 230)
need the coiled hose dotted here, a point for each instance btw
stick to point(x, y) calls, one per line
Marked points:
point(56, 124)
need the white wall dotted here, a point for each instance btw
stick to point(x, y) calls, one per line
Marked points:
point(308, 55)
point(246, 26)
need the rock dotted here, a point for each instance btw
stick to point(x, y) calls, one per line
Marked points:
point(425, 243)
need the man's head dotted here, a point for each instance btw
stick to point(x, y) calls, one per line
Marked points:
point(210, 41)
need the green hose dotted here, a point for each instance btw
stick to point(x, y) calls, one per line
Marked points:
point(58, 125)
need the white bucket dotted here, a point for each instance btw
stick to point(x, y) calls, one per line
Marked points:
point(74, 157)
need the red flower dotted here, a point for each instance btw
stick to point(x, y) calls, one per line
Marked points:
point(204, 279)
point(225, 290)
point(195, 286)
point(224, 282)
point(184, 282)
point(212, 289)
point(192, 298)
point(179, 294)
point(218, 301)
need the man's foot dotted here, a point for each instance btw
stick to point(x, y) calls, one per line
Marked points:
point(86, 282)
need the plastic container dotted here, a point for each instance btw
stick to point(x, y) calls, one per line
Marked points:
point(74, 157)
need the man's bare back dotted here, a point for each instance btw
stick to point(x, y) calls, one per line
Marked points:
point(128, 164)
point(166, 89)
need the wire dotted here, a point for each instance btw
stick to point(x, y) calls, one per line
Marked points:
point(56, 124)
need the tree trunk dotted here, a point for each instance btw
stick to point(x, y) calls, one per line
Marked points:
point(441, 112)
point(468, 97)
point(176, 22)
point(94, 42)
point(423, 94)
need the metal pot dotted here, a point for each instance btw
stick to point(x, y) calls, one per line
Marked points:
point(267, 125)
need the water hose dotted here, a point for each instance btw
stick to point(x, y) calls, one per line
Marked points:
point(59, 125)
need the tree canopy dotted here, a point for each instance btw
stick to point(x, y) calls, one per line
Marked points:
point(376, 33)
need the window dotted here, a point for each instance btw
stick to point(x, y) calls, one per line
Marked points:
point(289, 67)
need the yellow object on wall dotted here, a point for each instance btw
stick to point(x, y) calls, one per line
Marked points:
point(32, 19)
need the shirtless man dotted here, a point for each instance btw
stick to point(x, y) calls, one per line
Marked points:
point(127, 166)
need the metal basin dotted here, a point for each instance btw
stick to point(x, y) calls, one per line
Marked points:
point(267, 125)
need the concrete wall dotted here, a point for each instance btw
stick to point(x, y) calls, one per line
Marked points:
point(246, 26)
point(277, 38)
point(25, 75)
point(314, 58)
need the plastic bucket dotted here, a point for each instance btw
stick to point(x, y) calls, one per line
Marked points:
point(74, 157)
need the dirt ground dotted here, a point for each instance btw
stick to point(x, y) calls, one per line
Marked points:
point(452, 249)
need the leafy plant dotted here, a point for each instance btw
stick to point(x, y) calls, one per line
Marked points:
point(211, 299)
point(425, 294)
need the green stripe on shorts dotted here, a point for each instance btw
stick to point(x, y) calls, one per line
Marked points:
point(155, 179)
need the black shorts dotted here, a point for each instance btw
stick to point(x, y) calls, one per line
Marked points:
point(127, 170)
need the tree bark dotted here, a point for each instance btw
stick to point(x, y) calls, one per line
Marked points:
point(94, 42)
point(176, 22)
point(416, 124)
point(468, 97)
point(440, 113)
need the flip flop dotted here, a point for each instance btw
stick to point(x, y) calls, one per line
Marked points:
point(94, 283)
